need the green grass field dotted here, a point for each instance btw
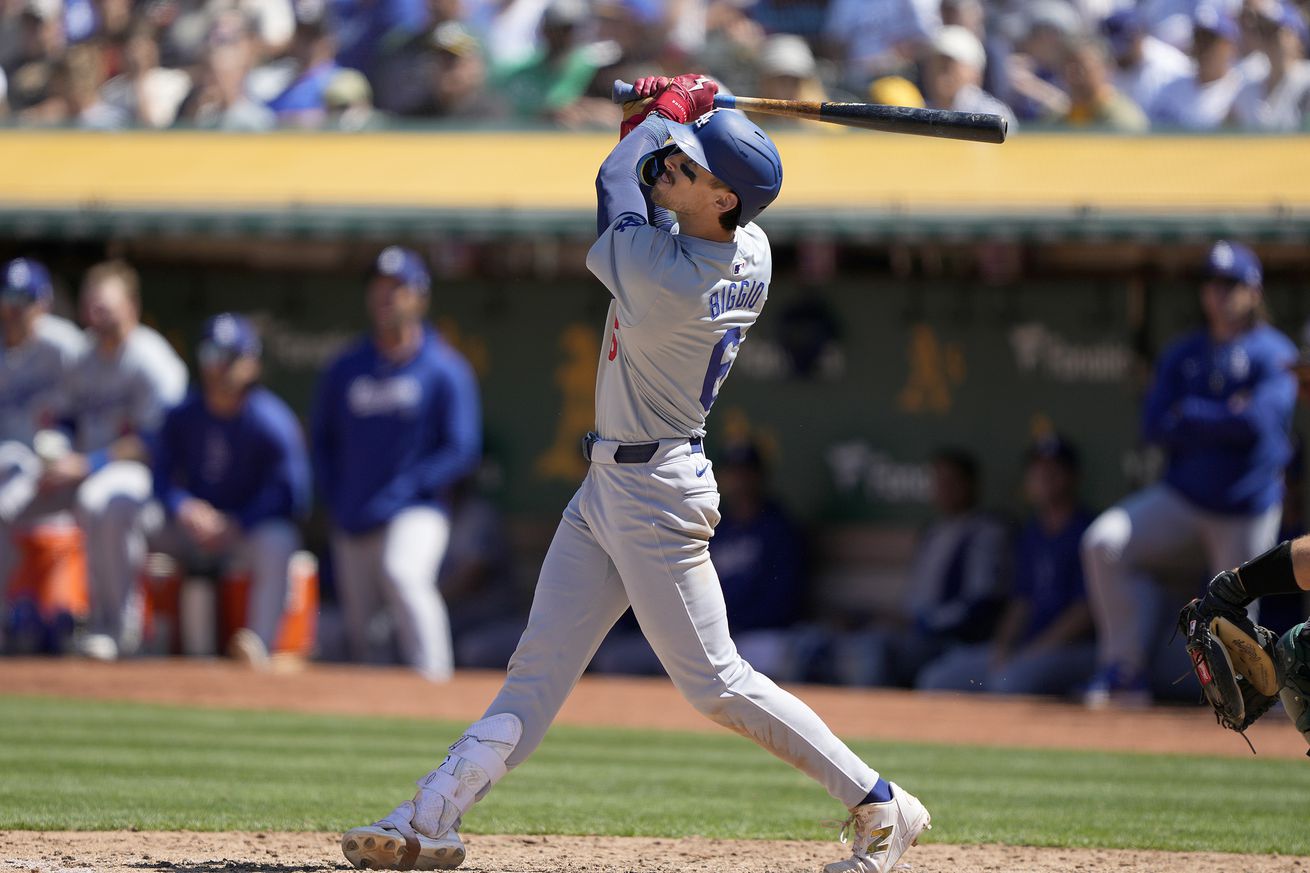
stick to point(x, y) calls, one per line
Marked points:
point(91, 766)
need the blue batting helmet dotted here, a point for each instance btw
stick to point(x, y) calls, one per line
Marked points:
point(729, 145)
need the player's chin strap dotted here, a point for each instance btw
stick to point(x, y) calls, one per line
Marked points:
point(476, 762)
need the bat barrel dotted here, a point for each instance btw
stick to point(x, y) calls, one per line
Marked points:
point(969, 126)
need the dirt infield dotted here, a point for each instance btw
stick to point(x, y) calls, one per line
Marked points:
point(53, 852)
point(886, 715)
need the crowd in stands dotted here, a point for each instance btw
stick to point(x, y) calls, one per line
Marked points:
point(100, 434)
point(253, 65)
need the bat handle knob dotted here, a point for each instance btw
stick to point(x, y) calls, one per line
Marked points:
point(623, 92)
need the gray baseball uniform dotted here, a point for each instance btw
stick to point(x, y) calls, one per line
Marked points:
point(638, 533)
point(109, 397)
point(32, 377)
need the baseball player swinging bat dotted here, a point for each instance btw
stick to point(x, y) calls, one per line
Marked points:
point(974, 127)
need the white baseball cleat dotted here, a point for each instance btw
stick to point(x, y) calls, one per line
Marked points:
point(393, 844)
point(247, 648)
point(98, 647)
point(880, 833)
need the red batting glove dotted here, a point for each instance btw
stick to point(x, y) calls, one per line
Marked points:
point(683, 99)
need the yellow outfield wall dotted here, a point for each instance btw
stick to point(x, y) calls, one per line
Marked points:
point(518, 170)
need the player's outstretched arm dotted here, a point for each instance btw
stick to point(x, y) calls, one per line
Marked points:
point(618, 189)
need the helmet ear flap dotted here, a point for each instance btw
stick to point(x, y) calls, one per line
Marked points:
point(651, 167)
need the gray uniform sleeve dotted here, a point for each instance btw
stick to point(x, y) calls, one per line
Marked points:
point(162, 385)
point(634, 260)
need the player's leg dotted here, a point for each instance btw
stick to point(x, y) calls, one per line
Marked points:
point(111, 506)
point(413, 544)
point(657, 528)
point(656, 524)
point(267, 550)
point(1149, 525)
point(356, 564)
point(577, 600)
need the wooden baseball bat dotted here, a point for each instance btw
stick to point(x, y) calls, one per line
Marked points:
point(971, 126)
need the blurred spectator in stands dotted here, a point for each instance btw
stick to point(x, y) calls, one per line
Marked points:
point(348, 100)
point(805, 18)
point(1043, 642)
point(1203, 101)
point(1143, 63)
point(875, 38)
point(954, 73)
point(1281, 102)
point(487, 616)
point(314, 51)
point(150, 95)
point(509, 30)
point(397, 422)
point(1093, 99)
point(37, 352)
point(1036, 71)
point(221, 98)
point(733, 42)
point(74, 94)
point(759, 556)
point(32, 56)
point(896, 91)
point(1221, 408)
point(958, 582)
point(232, 474)
point(787, 71)
point(458, 76)
point(972, 16)
point(367, 32)
point(552, 84)
point(634, 31)
point(118, 395)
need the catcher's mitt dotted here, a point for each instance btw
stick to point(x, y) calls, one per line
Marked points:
point(1231, 656)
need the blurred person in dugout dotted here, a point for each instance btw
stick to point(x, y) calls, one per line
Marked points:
point(958, 581)
point(396, 424)
point(1221, 409)
point(37, 352)
point(1043, 642)
point(112, 404)
point(232, 474)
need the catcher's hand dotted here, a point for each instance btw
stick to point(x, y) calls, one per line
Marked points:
point(1231, 656)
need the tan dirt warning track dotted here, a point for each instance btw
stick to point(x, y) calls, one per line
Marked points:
point(884, 715)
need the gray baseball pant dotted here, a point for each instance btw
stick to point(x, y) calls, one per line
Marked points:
point(639, 534)
point(1146, 528)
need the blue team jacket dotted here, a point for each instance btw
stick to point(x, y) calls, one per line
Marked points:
point(253, 465)
point(387, 437)
point(1223, 413)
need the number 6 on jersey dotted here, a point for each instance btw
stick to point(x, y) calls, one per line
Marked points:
point(725, 352)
